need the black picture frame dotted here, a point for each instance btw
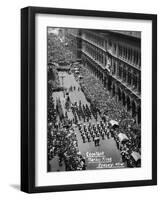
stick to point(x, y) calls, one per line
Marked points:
point(28, 98)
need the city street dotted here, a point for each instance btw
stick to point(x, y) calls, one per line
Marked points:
point(108, 146)
point(94, 105)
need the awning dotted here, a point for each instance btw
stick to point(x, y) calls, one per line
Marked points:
point(135, 155)
point(122, 137)
point(76, 68)
point(114, 123)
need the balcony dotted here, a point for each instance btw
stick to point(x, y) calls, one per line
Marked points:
point(94, 44)
point(137, 67)
point(96, 61)
point(126, 85)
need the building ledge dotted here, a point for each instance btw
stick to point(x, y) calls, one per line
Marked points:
point(97, 62)
point(130, 88)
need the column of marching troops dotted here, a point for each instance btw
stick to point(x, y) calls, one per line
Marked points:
point(94, 132)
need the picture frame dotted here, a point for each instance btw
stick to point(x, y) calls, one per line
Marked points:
point(29, 72)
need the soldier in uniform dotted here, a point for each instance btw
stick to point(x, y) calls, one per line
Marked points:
point(84, 138)
point(88, 137)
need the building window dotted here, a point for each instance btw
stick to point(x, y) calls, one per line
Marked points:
point(124, 75)
point(134, 80)
point(129, 54)
point(129, 78)
point(114, 68)
point(105, 60)
point(110, 43)
point(120, 71)
point(115, 48)
point(126, 53)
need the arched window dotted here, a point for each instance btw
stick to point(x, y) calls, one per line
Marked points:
point(115, 48)
point(133, 109)
point(124, 74)
point(119, 94)
point(134, 79)
point(123, 99)
point(114, 90)
point(129, 54)
point(120, 71)
point(128, 104)
point(134, 56)
point(126, 53)
point(129, 77)
point(114, 68)
point(110, 43)
point(121, 54)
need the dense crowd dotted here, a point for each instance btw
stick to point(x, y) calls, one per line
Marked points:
point(83, 112)
point(58, 50)
point(62, 141)
point(53, 78)
point(102, 100)
point(107, 106)
point(96, 93)
point(104, 130)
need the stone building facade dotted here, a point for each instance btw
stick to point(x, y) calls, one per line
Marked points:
point(74, 36)
point(115, 58)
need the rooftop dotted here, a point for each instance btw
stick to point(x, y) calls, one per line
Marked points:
point(136, 34)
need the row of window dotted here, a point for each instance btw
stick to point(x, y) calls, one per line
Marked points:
point(94, 38)
point(131, 105)
point(95, 52)
point(126, 53)
point(130, 55)
point(132, 78)
point(126, 75)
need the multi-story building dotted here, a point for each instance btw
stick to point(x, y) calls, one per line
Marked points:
point(115, 58)
point(75, 41)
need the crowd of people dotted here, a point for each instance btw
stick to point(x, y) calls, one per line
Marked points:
point(97, 95)
point(58, 50)
point(101, 100)
point(127, 147)
point(104, 130)
point(62, 140)
point(83, 112)
point(63, 143)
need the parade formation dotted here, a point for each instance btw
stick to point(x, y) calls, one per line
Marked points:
point(83, 118)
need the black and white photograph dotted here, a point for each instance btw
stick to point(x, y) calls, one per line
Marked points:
point(93, 99)
point(89, 99)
